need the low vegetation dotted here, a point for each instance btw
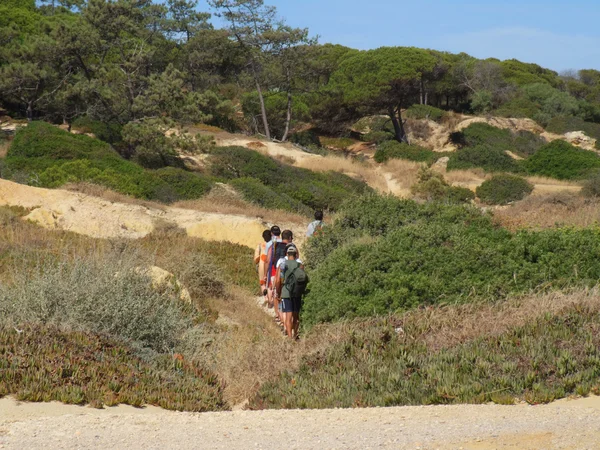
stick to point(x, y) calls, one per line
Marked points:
point(45, 363)
point(503, 189)
point(396, 150)
point(433, 187)
point(386, 255)
point(562, 161)
point(46, 156)
point(421, 112)
point(389, 362)
point(290, 188)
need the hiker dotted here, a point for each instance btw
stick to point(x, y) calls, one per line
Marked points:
point(260, 259)
point(316, 226)
point(269, 274)
point(277, 252)
point(291, 284)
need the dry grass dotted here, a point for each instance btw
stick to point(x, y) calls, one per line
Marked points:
point(405, 174)
point(95, 190)
point(471, 176)
point(363, 170)
point(447, 327)
point(550, 210)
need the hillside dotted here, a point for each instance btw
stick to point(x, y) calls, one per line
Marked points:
point(455, 279)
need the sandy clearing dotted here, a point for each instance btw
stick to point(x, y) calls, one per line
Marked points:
point(565, 424)
point(96, 217)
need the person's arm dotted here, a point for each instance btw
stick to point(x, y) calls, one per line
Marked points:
point(278, 283)
point(257, 253)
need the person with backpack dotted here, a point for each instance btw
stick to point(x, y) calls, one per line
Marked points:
point(316, 226)
point(260, 259)
point(277, 253)
point(291, 284)
point(268, 276)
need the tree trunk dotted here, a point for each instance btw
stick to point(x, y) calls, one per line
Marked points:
point(263, 109)
point(288, 117)
point(30, 111)
point(422, 91)
point(398, 124)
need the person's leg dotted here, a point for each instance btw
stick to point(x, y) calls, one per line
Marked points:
point(287, 308)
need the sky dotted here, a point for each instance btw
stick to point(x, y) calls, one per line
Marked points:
point(560, 35)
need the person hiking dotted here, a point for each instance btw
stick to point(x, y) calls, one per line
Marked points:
point(269, 275)
point(291, 283)
point(316, 226)
point(260, 259)
point(277, 252)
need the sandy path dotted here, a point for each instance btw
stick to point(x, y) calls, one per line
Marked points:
point(96, 217)
point(565, 424)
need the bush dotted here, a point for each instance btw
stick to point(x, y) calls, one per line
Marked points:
point(306, 138)
point(480, 133)
point(311, 189)
point(377, 137)
point(42, 140)
point(591, 186)
point(563, 161)
point(565, 124)
point(108, 297)
point(432, 186)
point(396, 150)
point(107, 132)
point(388, 255)
point(503, 189)
point(336, 143)
point(185, 185)
point(425, 112)
point(526, 143)
point(51, 157)
point(256, 192)
point(488, 158)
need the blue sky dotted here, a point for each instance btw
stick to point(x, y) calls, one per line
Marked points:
point(556, 34)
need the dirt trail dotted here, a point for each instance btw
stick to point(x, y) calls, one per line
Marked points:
point(96, 217)
point(565, 424)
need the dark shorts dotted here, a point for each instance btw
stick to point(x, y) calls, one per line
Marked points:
point(291, 305)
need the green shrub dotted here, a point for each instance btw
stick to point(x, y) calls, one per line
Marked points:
point(503, 189)
point(490, 159)
point(256, 192)
point(565, 124)
point(425, 112)
point(432, 187)
point(479, 133)
point(51, 157)
point(377, 137)
point(42, 140)
point(107, 132)
point(186, 185)
point(388, 255)
point(525, 143)
point(563, 161)
point(313, 190)
point(306, 138)
point(396, 150)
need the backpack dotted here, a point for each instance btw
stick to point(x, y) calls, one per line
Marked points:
point(296, 279)
point(279, 251)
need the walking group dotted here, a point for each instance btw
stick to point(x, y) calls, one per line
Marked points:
point(281, 274)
